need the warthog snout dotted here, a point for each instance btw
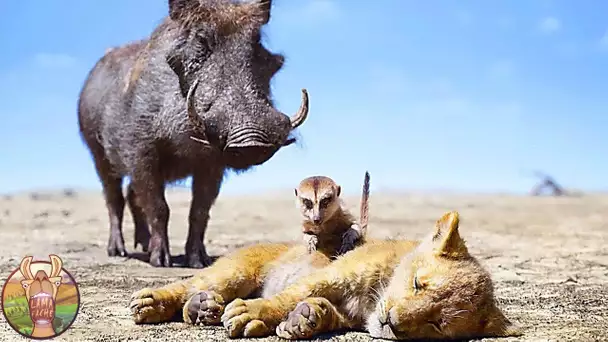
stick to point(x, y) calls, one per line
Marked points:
point(252, 141)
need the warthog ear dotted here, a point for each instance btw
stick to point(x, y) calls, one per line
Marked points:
point(177, 8)
point(185, 58)
point(265, 7)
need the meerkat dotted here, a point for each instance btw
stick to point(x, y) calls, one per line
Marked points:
point(328, 227)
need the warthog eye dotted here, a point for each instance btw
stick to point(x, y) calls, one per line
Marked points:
point(25, 286)
point(57, 283)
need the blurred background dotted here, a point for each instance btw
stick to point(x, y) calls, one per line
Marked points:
point(426, 95)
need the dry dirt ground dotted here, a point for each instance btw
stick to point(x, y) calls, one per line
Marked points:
point(548, 256)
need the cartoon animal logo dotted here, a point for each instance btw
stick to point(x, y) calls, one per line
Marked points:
point(40, 300)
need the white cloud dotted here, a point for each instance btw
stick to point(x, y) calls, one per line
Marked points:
point(549, 25)
point(54, 60)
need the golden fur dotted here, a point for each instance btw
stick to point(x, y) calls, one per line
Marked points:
point(396, 289)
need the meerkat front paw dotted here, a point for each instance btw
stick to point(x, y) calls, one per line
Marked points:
point(205, 307)
point(302, 323)
point(147, 307)
point(311, 242)
point(350, 238)
point(242, 318)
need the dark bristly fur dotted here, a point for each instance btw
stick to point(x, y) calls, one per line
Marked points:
point(193, 99)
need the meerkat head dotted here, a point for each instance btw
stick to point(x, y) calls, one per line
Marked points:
point(317, 198)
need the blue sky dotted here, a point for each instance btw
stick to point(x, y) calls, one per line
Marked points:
point(462, 95)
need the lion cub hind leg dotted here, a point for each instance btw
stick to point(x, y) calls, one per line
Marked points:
point(311, 317)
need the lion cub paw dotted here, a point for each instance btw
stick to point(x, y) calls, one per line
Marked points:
point(205, 307)
point(302, 323)
point(146, 306)
point(241, 319)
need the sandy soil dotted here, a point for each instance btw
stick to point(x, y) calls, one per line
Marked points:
point(548, 256)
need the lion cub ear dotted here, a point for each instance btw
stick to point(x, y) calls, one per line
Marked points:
point(447, 241)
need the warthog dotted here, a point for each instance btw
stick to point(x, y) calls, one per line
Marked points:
point(191, 100)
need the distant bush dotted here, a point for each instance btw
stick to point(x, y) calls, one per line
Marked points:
point(69, 193)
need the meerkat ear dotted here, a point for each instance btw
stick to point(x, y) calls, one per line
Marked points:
point(296, 191)
point(446, 239)
point(338, 190)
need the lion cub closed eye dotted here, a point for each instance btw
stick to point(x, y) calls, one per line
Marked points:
point(328, 227)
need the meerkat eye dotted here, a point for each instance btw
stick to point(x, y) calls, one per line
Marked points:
point(307, 203)
point(325, 202)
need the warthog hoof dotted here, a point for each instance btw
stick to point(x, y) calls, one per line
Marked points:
point(116, 246)
point(198, 259)
point(159, 254)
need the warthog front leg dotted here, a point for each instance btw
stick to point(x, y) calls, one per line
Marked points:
point(205, 189)
point(115, 203)
point(149, 188)
point(142, 232)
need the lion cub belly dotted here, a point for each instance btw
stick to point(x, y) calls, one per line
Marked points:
point(286, 270)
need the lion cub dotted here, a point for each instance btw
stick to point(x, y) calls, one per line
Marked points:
point(328, 227)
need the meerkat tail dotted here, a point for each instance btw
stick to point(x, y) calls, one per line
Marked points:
point(364, 216)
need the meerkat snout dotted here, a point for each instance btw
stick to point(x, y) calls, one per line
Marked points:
point(317, 199)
